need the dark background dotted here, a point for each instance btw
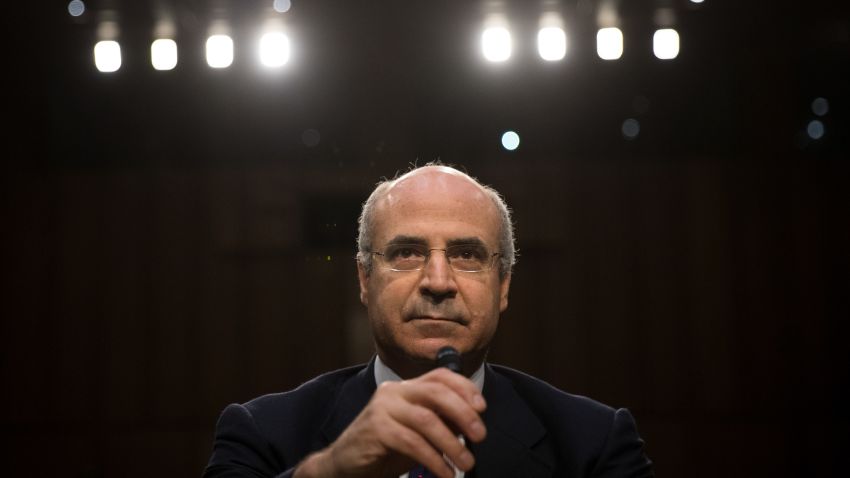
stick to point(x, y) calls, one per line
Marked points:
point(172, 245)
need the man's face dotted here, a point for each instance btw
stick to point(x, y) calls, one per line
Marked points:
point(414, 313)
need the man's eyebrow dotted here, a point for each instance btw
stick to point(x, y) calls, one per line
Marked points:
point(402, 239)
point(465, 241)
point(418, 240)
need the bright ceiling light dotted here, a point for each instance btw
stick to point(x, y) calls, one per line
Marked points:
point(609, 43)
point(164, 54)
point(274, 49)
point(665, 44)
point(107, 56)
point(551, 43)
point(219, 51)
point(496, 44)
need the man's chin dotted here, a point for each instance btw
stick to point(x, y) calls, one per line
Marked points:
point(434, 332)
point(425, 350)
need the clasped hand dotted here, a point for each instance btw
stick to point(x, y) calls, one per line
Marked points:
point(405, 423)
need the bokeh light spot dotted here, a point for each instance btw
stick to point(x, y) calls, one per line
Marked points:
point(282, 6)
point(630, 128)
point(510, 140)
point(76, 8)
point(310, 138)
point(820, 106)
point(815, 129)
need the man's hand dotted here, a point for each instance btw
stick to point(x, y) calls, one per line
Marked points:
point(405, 423)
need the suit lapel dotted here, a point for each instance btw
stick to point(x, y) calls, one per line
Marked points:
point(351, 398)
point(515, 444)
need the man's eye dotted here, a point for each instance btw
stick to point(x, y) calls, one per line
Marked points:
point(404, 253)
point(468, 253)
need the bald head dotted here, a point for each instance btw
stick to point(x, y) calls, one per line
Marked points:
point(436, 186)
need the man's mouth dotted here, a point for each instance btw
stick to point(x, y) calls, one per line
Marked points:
point(456, 320)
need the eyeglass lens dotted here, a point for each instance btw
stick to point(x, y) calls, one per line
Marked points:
point(461, 257)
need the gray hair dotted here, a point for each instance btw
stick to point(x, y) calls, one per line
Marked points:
point(507, 248)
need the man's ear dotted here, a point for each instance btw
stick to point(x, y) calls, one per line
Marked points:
point(504, 285)
point(363, 278)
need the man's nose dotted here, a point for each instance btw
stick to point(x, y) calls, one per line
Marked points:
point(438, 277)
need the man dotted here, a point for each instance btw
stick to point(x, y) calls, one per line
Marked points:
point(434, 264)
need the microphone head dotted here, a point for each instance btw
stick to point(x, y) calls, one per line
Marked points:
point(450, 358)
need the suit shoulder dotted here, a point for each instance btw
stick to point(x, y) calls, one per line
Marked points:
point(315, 394)
point(543, 396)
point(589, 437)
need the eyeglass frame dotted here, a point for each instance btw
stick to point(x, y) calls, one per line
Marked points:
point(490, 259)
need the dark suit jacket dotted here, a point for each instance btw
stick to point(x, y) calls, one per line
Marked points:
point(533, 429)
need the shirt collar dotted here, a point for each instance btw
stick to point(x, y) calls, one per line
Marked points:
point(383, 373)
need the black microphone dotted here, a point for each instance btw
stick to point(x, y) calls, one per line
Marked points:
point(450, 358)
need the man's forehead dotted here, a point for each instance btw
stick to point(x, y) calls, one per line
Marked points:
point(435, 184)
point(436, 195)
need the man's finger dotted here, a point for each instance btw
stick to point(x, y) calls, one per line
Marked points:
point(450, 406)
point(460, 384)
point(428, 424)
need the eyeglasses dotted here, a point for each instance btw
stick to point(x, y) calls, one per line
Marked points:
point(413, 257)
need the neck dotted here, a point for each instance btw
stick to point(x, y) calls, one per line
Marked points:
point(408, 368)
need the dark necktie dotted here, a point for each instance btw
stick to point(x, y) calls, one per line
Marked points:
point(420, 472)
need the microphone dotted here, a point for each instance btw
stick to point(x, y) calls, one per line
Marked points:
point(450, 358)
